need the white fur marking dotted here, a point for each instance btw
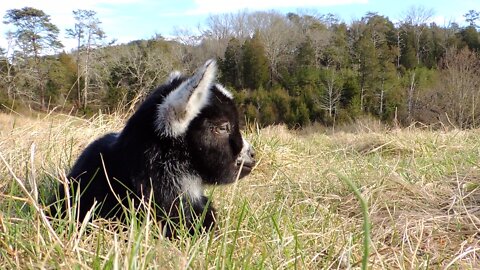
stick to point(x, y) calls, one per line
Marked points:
point(184, 103)
point(224, 91)
point(192, 186)
point(244, 153)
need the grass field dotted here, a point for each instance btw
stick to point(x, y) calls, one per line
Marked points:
point(295, 211)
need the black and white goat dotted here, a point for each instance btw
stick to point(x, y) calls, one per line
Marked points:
point(184, 136)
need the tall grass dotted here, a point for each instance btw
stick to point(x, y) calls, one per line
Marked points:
point(297, 210)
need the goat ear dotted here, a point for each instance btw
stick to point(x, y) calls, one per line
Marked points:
point(184, 103)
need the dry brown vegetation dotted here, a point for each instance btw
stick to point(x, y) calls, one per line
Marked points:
point(294, 211)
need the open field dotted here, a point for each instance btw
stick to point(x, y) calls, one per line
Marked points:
point(295, 211)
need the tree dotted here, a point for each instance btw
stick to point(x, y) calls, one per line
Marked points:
point(61, 78)
point(8, 76)
point(314, 28)
point(301, 113)
point(89, 35)
point(368, 69)
point(136, 69)
point(436, 44)
point(35, 36)
point(231, 65)
point(383, 37)
point(416, 82)
point(255, 63)
point(333, 92)
point(408, 55)
point(278, 38)
point(460, 97)
point(415, 21)
point(375, 53)
point(470, 37)
point(388, 83)
point(305, 55)
point(337, 53)
point(472, 16)
point(304, 71)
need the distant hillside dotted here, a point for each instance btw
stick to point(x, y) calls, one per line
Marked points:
point(296, 69)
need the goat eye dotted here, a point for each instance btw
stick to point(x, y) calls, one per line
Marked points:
point(224, 128)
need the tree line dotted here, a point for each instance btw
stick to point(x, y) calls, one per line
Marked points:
point(295, 68)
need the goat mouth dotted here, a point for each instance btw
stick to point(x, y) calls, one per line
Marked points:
point(246, 167)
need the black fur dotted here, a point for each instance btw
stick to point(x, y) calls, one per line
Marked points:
point(141, 159)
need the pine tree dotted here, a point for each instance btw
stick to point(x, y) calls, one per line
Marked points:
point(255, 64)
point(231, 65)
point(35, 35)
point(306, 74)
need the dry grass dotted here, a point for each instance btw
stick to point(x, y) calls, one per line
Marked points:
point(294, 211)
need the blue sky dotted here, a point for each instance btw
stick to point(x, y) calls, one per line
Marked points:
point(127, 20)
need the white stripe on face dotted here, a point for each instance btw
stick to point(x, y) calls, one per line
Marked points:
point(244, 154)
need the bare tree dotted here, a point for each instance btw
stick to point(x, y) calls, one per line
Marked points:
point(333, 93)
point(416, 18)
point(89, 35)
point(7, 74)
point(460, 84)
point(226, 26)
point(411, 94)
point(146, 67)
point(278, 36)
point(220, 29)
point(399, 42)
point(313, 26)
point(126, 74)
point(219, 26)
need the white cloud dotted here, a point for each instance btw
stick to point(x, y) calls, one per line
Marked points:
point(220, 6)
